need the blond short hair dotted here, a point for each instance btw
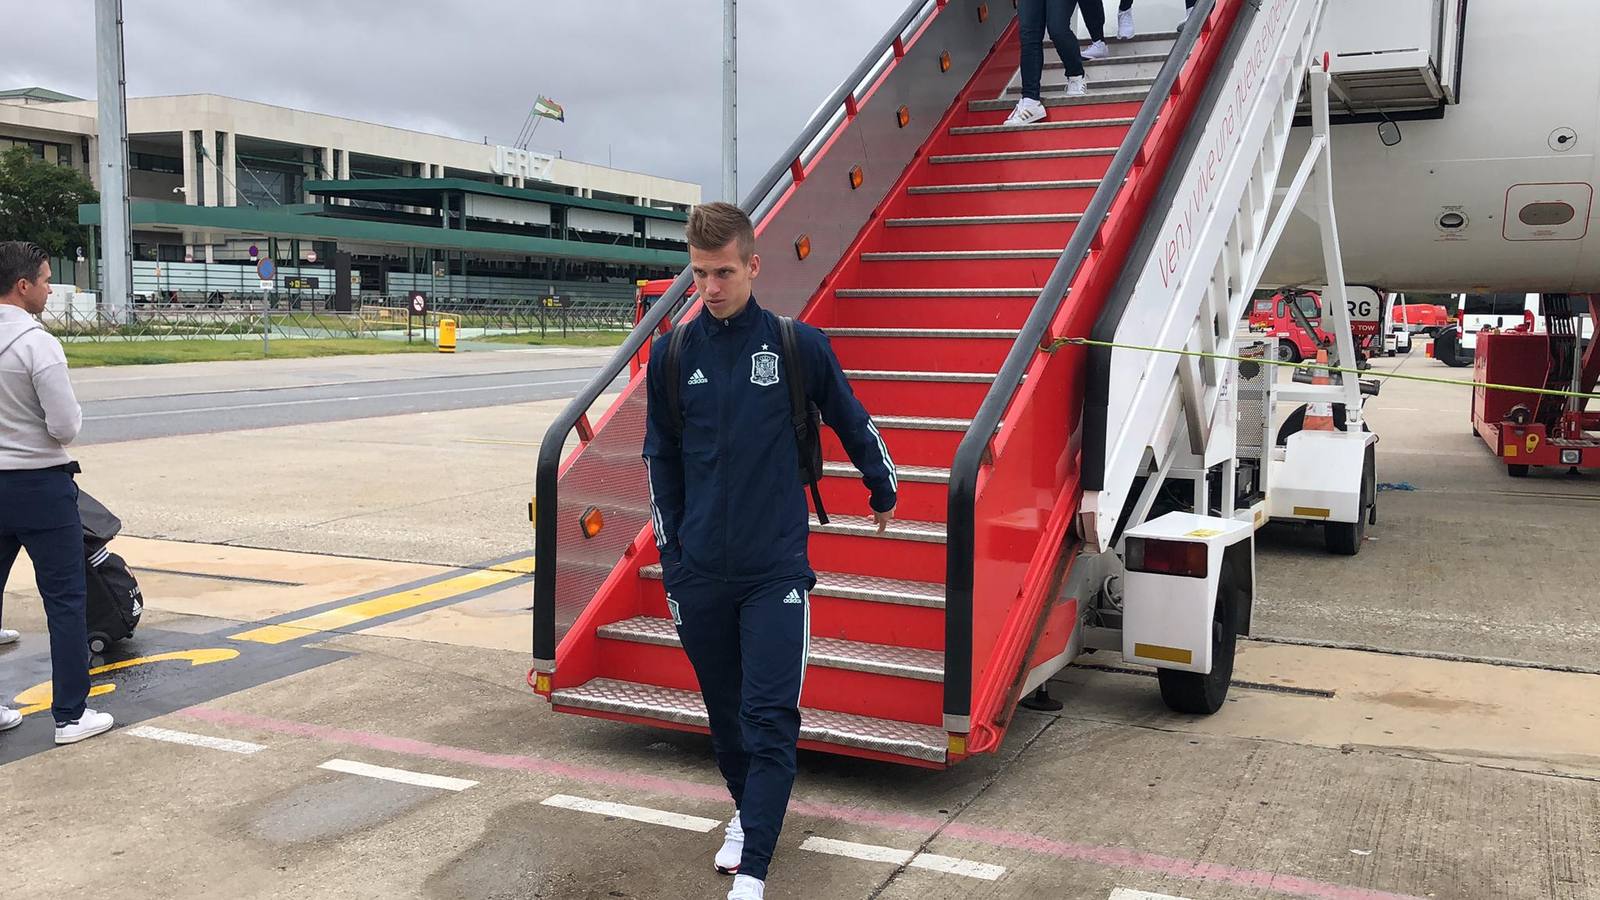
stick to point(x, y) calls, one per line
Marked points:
point(713, 225)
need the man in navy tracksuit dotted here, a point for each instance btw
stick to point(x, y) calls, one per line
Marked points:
point(731, 523)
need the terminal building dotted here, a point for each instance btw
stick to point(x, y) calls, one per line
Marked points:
point(217, 183)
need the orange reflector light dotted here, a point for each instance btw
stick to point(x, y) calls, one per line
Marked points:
point(957, 745)
point(944, 61)
point(855, 177)
point(983, 12)
point(541, 683)
point(1166, 557)
point(902, 115)
point(592, 521)
point(802, 246)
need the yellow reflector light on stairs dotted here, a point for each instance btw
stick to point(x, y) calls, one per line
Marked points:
point(903, 116)
point(855, 177)
point(592, 521)
point(802, 246)
point(944, 61)
point(983, 12)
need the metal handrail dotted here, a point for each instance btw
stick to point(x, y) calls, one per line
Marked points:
point(961, 515)
point(547, 477)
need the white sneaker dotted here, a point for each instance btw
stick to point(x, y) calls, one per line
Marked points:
point(88, 725)
point(9, 636)
point(9, 718)
point(1125, 25)
point(1077, 86)
point(1096, 50)
point(1027, 112)
point(747, 888)
point(732, 847)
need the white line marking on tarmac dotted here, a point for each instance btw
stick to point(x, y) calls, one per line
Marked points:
point(403, 776)
point(949, 865)
point(203, 409)
point(195, 740)
point(635, 813)
point(1123, 893)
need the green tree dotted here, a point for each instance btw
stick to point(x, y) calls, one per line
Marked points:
point(39, 202)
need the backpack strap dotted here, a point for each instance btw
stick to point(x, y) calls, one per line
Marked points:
point(671, 373)
point(803, 416)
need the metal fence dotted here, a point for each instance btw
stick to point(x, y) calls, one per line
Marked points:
point(291, 317)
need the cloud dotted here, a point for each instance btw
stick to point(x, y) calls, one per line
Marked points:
point(641, 80)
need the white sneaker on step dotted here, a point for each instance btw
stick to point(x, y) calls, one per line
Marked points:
point(1096, 50)
point(88, 725)
point(9, 718)
point(1027, 112)
point(1125, 25)
point(732, 850)
point(747, 888)
point(9, 635)
point(1077, 86)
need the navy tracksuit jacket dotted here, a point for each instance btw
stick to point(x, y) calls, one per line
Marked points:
point(731, 522)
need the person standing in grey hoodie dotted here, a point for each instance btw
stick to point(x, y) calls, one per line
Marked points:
point(39, 417)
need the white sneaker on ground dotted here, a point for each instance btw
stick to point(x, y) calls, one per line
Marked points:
point(747, 888)
point(9, 718)
point(1096, 50)
point(1125, 25)
point(1077, 86)
point(732, 847)
point(88, 725)
point(1028, 111)
point(9, 635)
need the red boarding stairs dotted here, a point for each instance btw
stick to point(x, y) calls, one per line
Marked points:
point(933, 231)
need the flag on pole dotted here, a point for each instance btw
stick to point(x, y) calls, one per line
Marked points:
point(548, 108)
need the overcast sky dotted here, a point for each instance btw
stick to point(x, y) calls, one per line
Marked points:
point(640, 79)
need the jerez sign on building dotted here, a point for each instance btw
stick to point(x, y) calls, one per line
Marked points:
point(523, 163)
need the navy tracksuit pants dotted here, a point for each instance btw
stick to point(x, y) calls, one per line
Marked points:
point(39, 512)
point(748, 644)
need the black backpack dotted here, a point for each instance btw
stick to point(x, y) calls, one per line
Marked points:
point(803, 414)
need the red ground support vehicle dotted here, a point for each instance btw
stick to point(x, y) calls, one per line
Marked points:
point(648, 293)
point(1424, 318)
point(1526, 429)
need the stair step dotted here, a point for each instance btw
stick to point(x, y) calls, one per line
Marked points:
point(908, 739)
point(1090, 99)
point(886, 375)
point(1043, 126)
point(1018, 155)
point(860, 587)
point(1113, 59)
point(916, 255)
point(1032, 219)
point(1140, 38)
point(860, 526)
point(833, 653)
point(923, 423)
point(988, 333)
point(1004, 186)
point(869, 293)
point(1101, 86)
point(925, 474)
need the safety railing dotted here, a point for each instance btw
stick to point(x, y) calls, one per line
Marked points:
point(823, 188)
point(1022, 513)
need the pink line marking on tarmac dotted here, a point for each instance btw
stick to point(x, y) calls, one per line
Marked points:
point(1111, 857)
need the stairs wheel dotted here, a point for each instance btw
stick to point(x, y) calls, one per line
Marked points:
point(1202, 695)
point(1346, 538)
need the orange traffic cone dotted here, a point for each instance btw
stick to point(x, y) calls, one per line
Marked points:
point(1319, 416)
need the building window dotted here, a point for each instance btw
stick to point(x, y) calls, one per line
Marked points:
point(153, 162)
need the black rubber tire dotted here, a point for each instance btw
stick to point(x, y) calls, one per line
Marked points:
point(1517, 470)
point(1288, 352)
point(1202, 695)
point(98, 643)
point(1346, 538)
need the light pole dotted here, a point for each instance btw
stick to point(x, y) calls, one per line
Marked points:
point(730, 101)
point(112, 112)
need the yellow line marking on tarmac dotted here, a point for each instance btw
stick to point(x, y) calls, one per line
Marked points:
point(39, 697)
point(363, 610)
